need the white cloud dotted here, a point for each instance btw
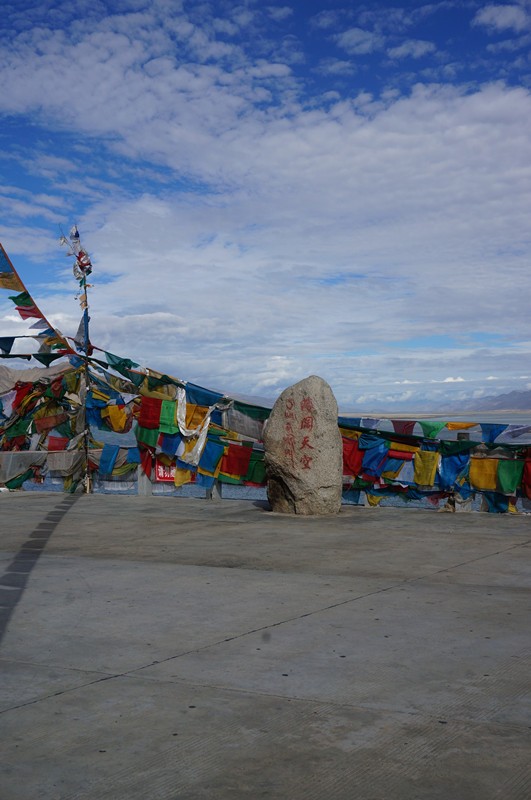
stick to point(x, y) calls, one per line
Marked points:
point(411, 48)
point(502, 17)
point(357, 41)
point(326, 19)
point(448, 380)
point(303, 197)
point(279, 13)
point(336, 66)
point(244, 236)
point(243, 16)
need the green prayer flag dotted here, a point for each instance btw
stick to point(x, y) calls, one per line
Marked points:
point(22, 299)
point(135, 377)
point(123, 363)
point(168, 419)
point(16, 483)
point(65, 429)
point(20, 428)
point(460, 446)
point(257, 471)
point(431, 429)
point(148, 436)
point(227, 479)
point(509, 475)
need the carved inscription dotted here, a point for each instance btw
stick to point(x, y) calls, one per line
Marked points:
point(298, 427)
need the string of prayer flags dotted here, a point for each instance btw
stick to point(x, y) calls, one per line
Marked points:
point(26, 306)
point(8, 276)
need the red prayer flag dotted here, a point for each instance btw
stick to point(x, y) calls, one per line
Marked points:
point(28, 312)
point(403, 426)
point(526, 479)
point(352, 457)
point(236, 460)
point(401, 454)
point(57, 442)
point(22, 389)
point(149, 416)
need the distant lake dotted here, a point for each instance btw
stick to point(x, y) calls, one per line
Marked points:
point(498, 417)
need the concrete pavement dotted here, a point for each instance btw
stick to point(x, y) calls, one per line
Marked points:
point(168, 649)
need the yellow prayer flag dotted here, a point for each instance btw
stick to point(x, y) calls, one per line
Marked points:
point(182, 476)
point(483, 472)
point(195, 416)
point(404, 448)
point(425, 467)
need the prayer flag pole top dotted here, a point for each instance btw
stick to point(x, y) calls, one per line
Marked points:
point(82, 268)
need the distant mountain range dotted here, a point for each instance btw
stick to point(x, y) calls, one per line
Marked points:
point(516, 401)
point(512, 401)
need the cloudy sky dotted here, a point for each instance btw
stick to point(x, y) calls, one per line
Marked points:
point(269, 191)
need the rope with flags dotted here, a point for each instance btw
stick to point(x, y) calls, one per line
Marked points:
point(52, 343)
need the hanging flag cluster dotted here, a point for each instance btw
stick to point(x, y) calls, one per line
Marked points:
point(188, 434)
point(381, 463)
point(82, 265)
point(57, 420)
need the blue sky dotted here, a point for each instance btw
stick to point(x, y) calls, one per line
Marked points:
point(269, 191)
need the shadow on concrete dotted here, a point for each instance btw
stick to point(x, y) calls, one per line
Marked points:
point(263, 504)
point(15, 578)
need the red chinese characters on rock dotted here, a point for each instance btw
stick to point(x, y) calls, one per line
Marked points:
point(288, 441)
point(296, 444)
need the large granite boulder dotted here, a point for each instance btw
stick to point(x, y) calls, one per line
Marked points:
point(303, 450)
